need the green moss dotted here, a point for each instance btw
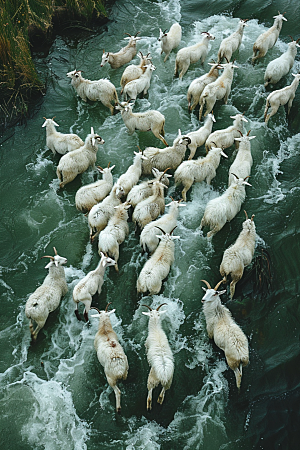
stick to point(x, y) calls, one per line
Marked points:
point(20, 21)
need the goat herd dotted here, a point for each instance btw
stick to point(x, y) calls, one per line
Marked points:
point(108, 204)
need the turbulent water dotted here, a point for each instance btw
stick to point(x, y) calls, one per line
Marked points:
point(54, 394)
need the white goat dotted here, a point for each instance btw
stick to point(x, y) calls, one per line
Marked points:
point(267, 40)
point(192, 54)
point(100, 214)
point(243, 161)
point(76, 162)
point(169, 157)
point(170, 40)
point(222, 328)
point(224, 208)
point(126, 54)
point(114, 233)
point(110, 353)
point(217, 90)
point(232, 43)
point(150, 208)
point(59, 142)
point(200, 136)
point(239, 255)
point(281, 66)
point(158, 266)
point(134, 71)
point(281, 97)
point(132, 175)
point(145, 121)
point(148, 239)
point(46, 298)
point(198, 170)
point(102, 90)
point(143, 190)
point(88, 196)
point(196, 87)
point(159, 356)
point(140, 85)
point(226, 137)
point(89, 285)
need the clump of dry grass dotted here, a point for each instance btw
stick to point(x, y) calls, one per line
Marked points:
point(19, 80)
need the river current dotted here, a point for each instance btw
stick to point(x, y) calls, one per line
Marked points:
point(54, 394)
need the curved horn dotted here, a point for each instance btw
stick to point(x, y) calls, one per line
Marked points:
point(235, 175)
point(99, 167)
point(148, 307)
point(165, 31)
point(246, 215)
point(291, 37)
point(248, 132)
point(252, 217)
point(108, 164)
point(214, 143)
point(137, 34)
point(55, 251)
point(160, 229)
point(107, 306)
point(207, 284)
point(172, 230)
point(297, 40)
point(128, 34)
point(44, 118)
point(160, 306)
point(51, 257)
point(53, 117)
point(94, 307)
point(226, 59)
point(217, 285)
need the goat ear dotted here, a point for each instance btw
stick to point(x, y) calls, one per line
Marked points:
point(204, 289)
point(221, 292)
point(162, 311)
point(112, 311)
point(95, 315)
point(146, 313)
point(48, 265)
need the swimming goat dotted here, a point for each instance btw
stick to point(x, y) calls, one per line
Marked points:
point(159, 355)
point(102, 90)
point(224, 208)
point(126, 54)
point(268, 39)
point(150, 120)
point(226, 137)
point(200, 136)
point(46, 298)
point(150, 208)
point(170, 40)
point(59, 142)
point(217, 90)
point(281, 66)
point(91, 194)
point(196, 87)
point(192, 54)
point(149, 240)
point(158, 266)
point(76, 162)
point(281, 97)
point(100, 214)
point(243, 161)
point(169, 157)
point(110, 353)
point(239, 255)
point(222, 328)
point(134, 71)
point(132, 175)
point(232, 43)
point(89, 285)
point(114, 233)
point(198, 170)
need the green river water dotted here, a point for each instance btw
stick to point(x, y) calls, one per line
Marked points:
point(54, 394)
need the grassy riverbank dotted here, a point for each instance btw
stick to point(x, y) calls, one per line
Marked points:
point(24, 24)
